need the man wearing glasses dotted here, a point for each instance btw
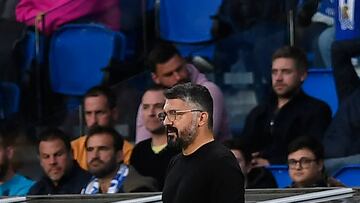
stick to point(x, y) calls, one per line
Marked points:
point(168, 68)
point(205, 171)
point(306, 164)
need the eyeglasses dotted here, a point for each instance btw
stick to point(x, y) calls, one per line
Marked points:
point(304, 162)
point(171, 115)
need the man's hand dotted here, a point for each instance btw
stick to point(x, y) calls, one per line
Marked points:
point(258, 161)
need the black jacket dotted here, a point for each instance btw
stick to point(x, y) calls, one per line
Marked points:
point(302, 115)
point(71, 183)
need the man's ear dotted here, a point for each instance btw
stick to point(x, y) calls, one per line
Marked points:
point(115, 113)
point(10, 150)
point(303, 76)
point(155, 78)
point(119, 156)
point(203, 119)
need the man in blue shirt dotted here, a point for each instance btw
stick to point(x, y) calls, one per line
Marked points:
point(11, 183)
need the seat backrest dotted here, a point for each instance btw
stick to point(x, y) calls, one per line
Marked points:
point(9, 99)
point(281, 174)
point(186, 21)
point(78, 55)
point(320, 84)
point(349, 175)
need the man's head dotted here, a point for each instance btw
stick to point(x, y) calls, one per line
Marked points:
point(55, 154)
point(167, 67)
point(305, 160)
point(188, 108)
point(104, 151)
point(289, 70)
point(7, 142)
point(100, 107)
point(152, 104)
point(241, 153)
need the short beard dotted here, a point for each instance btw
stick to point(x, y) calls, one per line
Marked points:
point(159, 131)
point(108, 169)
point(183, 138)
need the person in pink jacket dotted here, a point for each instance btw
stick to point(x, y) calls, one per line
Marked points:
point(59, 12)
point(168, 68)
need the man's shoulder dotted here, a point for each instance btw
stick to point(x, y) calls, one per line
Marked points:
point(142, 146)
point(312, 103)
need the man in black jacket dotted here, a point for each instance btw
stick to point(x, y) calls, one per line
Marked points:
point(63, 175)
point(289, 113)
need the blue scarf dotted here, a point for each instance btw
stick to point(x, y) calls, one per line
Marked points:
point(93, 187)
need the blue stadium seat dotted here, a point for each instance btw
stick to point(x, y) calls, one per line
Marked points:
point(78, 55)
point(9, 99)
point(281, 174)
point(188, 23)
point(320, 84)
point(349, 175)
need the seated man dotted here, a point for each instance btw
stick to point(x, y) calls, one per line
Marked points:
point(11, 183)
point(63, 175)
point(258, 177)
point(289, 112)
point(100, 110)
point(168, 68)
point(306, 164)
point(342, 138)
point(152, 156)
point(105, 163)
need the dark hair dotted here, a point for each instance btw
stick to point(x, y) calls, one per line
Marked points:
point(307, 142)
point(294, 53)
point(193, 94)
point(161, 53)
point(155, 87)
point(50, 134)
point(102, 90)
point(239, 144)
point(117, 138)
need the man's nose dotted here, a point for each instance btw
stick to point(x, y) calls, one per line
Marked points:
point(53, 160)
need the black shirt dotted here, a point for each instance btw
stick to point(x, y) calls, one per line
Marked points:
point(269, 131)
point(70, 183)
point(210, 174)
point(147, 163)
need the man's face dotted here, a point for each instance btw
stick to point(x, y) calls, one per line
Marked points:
point(182, 130)
point(286, 78)
point(172, 72)
point(102, 159)
point(152, 104)
point(98, 112)
point(55, 160)
point(304, 169)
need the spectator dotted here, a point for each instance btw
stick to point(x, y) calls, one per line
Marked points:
point(168, 68)
point(288, 113)
point(306, 164)
point(211, 171)
point(57, 13)
point(342, 140)
point(105, 163)
point(152, 156)
point(255, 178)
point(11, 183)
point(100, 110)
point(63, 175)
